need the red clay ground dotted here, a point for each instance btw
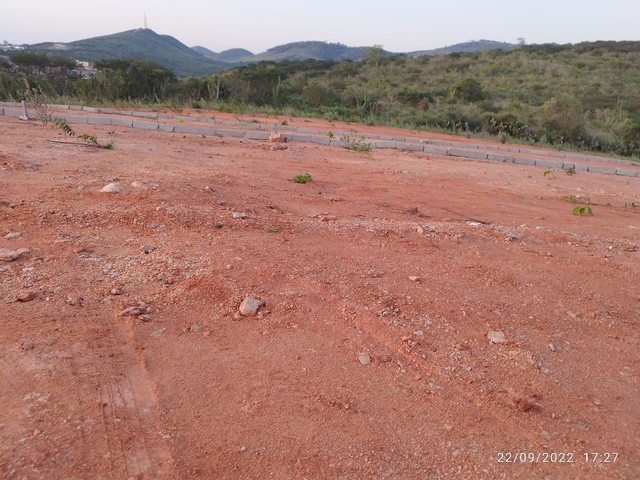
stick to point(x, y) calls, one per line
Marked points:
point(87, 393)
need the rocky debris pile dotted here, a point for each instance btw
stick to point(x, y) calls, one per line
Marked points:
point(140, 310)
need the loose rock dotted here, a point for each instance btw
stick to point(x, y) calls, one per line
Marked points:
point(157, 333)
point(7, 255)
point(196, 328)
point(414, 279)
point(27, 345)
point(11, 235)
point(75, 301)
point(113, 187)
point(26, 297)
point(149, 248)
point(364, 358)
point(134, 310)
point(497, 337)
point(239, 215)
point(137, 184)
point(250, 306)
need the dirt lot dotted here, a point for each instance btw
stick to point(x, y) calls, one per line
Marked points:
point(123, 356)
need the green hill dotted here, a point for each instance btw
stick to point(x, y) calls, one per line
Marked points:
point(311, 50)
point(466, 47)
point(141, 43)
point(145, 44)
point(233, 55)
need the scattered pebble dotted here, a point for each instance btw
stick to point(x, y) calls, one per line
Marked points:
point(26, 297)
point(364, 358)
point(7, 255)
point(113, 187)
point(145, 317)
point(555, 347)
point(149, 248)
point(157, 333)
point(515, 236)
point(75, 301)
point(250, 306)
point(420, 231)
point(497, 337)
point(137, 184)
point(27, 345)
point(116, 291)
point(196, 328)
point(239, 215)
point(11, 235)
point(414, 278)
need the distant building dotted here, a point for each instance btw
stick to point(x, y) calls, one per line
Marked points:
point(85, 68)
point(6, 46)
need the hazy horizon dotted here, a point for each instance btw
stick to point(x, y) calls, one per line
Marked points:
point(408, 26)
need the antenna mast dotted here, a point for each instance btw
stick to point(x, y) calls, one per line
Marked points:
point(145, 21)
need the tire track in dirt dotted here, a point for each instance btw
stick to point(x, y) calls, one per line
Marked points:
point(131, 429)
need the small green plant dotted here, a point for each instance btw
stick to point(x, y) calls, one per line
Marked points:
point(35, 97)
point(356, 144)
point(90, 140)
point(583, 210)
point(330, 134)
point(571, 198)
point(570, 170)
point(304, 178)
point(547, 173)
point(273, 229)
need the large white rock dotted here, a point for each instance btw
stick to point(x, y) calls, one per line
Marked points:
point(113, 187)
point(250, 306)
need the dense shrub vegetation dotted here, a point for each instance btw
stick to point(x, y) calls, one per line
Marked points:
point(583, 96)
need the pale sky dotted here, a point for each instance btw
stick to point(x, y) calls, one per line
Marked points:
point(399, 26)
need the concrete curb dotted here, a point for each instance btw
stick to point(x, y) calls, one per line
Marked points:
point(261, 131)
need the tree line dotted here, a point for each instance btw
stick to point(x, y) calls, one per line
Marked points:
point(582, 96)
